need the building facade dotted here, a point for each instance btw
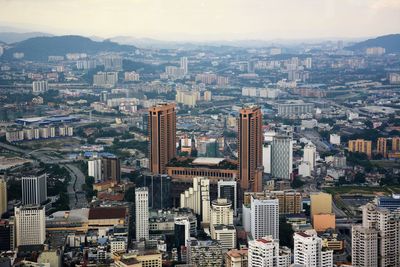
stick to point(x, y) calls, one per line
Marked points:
point(142, 213)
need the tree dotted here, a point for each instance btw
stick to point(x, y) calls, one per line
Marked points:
point(359, 178)
point(285, 233)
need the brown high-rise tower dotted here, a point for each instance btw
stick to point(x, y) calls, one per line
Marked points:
point(162, 136)
point(250, 140)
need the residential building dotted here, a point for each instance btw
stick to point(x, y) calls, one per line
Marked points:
point(204, 253)
point(39, 86)
point(361, 146)
point(364, 246)
point(142, 213)
point(265, 252)
point(236, 258)
point(381, 146)
point(221, 223)
point(197, 198)
point(95, 169)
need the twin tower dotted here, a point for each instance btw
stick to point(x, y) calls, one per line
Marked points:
point(162, 143)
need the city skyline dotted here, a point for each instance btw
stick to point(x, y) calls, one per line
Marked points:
point(212, 20)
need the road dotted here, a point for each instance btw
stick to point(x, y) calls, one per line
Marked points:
point(77, 198)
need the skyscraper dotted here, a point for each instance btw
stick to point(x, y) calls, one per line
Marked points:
point(142, 213)
point(250, 141)
point(321, 203)
point(34, 190)
point(30, 225)
point(197, 198)
point(228, 190)
point(310, 155)
point(281, 157)
point(308, 250)
point(94, 169)
point(3, 196)
point(265, 252)
point(184, 65)
point(111, 168)
point(162, 136)
point(364, 249)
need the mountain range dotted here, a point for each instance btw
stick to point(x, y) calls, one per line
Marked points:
point(390, 42)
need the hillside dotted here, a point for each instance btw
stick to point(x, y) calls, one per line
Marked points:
point(390, 42)
point(39, 48)
point(14, 37)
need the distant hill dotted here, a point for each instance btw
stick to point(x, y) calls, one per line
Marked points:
point(14, 37)
point(390, 42)
point(39, 48)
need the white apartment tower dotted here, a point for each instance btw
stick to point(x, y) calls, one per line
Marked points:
point(34, 190)
point(310, 155)
point(261, 217)
point(380, 236)
point(30, 225)
point(197, 198)
point(142, 213)
point(282, 157)
point(184, 65)
point(265, 252)
point(308, 250)
point(94, 169)
point(221, 223)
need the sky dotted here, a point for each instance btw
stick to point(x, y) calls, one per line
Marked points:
point(206, 19)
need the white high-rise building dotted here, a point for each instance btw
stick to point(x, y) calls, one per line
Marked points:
point(379, 235)
point(142, 213)
point(3, 196)
point(184, 65)
point(310, 155)
point(39, 86)
point(282, 157)
point(266, 151)
point(364, 249)
point(197, 198)
point(30, 225)
point(221, 223)
point(182, 227)
point(308, 250)
point(261, 217)
point(94, 169)
point(265, 252)
point(34, 189)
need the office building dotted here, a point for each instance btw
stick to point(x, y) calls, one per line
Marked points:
point(197, 198)
point(95, 170)
point(30, 225)
point(266, 151)
point(221, 223)
point(3, 197)
point(265, 252)
point(261, 216)
point(39, 86)
point(321, 203)
point(34, 190)
point(111, 169)
point(162, 136)
point(204, 253)
point(181, 232)
point(228, 190)
point(381, 146)
point(142, 213)
point(308, 251)
point(184, 65)
point(364, 252)
point(159, 187)
point(6, 235)
point(310, 155)
point(361, 146)
point(236, 258)
point(282, 157)
point(226, 235)
point(250, 139)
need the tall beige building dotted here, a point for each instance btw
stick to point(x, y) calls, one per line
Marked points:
point(381, 146)
point(221, 223)
point(162, 136)
point(361, 146)
point(364, 246)
point(3, 196)
point(321, 203)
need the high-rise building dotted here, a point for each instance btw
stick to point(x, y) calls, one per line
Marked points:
point(111, 168)
point(184, 65)
point(310, 155)
point(261, 216)
point(321, 203)
point(39, 86)
point(396, 144)
point(142, 213)
point(381, 146)
point(267, 158)
point(34, 190)
point(3, 196)
point(181, 232)
point(250, 139)
point(30, 225)
point(94, 169)
point(282, 157)
point(265, 252)
point(159, 187)
point(162, 136)
point(364, 249)
point(387, 225)
point(205, 253)
point(308, 250)
point(197, 198)
point(6, 235)
point(228, 190)
point(361, 146)
point(221, 223)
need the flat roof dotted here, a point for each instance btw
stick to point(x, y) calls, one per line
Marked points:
point(207, 161)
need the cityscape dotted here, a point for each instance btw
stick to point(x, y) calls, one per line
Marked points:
point(212, 144)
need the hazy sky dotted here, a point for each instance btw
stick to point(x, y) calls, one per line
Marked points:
point(207, 19)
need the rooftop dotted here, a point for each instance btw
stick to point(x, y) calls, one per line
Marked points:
point(107, 213)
